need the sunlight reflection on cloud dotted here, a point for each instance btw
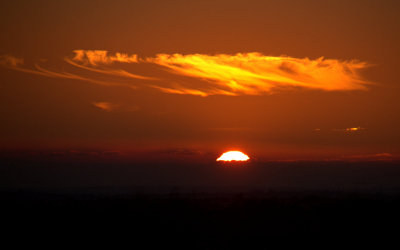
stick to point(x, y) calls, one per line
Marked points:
point(221, 74)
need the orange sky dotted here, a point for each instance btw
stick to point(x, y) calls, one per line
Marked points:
point(277, 79)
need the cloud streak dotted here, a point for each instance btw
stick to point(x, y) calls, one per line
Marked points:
point(107, 106)
point(221, 74)
point(95, 57)
point(254, 73)
point(16, 63)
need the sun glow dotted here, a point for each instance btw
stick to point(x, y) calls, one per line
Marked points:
point(233, 156)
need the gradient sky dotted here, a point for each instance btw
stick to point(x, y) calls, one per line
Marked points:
point(276, 79)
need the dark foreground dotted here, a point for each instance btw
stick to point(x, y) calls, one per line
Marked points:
point(198, 205)
point(198, 220)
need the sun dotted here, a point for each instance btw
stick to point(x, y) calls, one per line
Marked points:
point(233, 156)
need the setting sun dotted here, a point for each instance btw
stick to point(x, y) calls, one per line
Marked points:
point(233, 156)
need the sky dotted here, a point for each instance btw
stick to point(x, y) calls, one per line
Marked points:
point(279, 80)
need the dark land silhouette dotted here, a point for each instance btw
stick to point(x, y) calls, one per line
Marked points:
point(198, 206)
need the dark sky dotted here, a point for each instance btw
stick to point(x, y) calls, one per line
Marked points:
point(200, 94)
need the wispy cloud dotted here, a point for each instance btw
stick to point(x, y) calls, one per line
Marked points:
point(107, 106)
point(221, 74)
point(115, 72)
point(11, 61)
point(95, 57)
point(18, 64)
point(384, 156)
point(341, 130)
point(349, 130)
point(254, 73)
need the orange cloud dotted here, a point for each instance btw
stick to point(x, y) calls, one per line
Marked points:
point(221, 74)
point(254, 73)
point(11, 61)
point(115, 72)
point(95, 57)
point(107, 106)
point(352, 129)
point(16, 63)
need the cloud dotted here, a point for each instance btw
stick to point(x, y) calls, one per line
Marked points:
point(95, 57)
point(352, 129)
point(254, 73)
point(221, 74)
point(107, 106)
point(115, 72)
point(11, 61)
point(16, 63)
point(370, 157)
point(181, 91)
